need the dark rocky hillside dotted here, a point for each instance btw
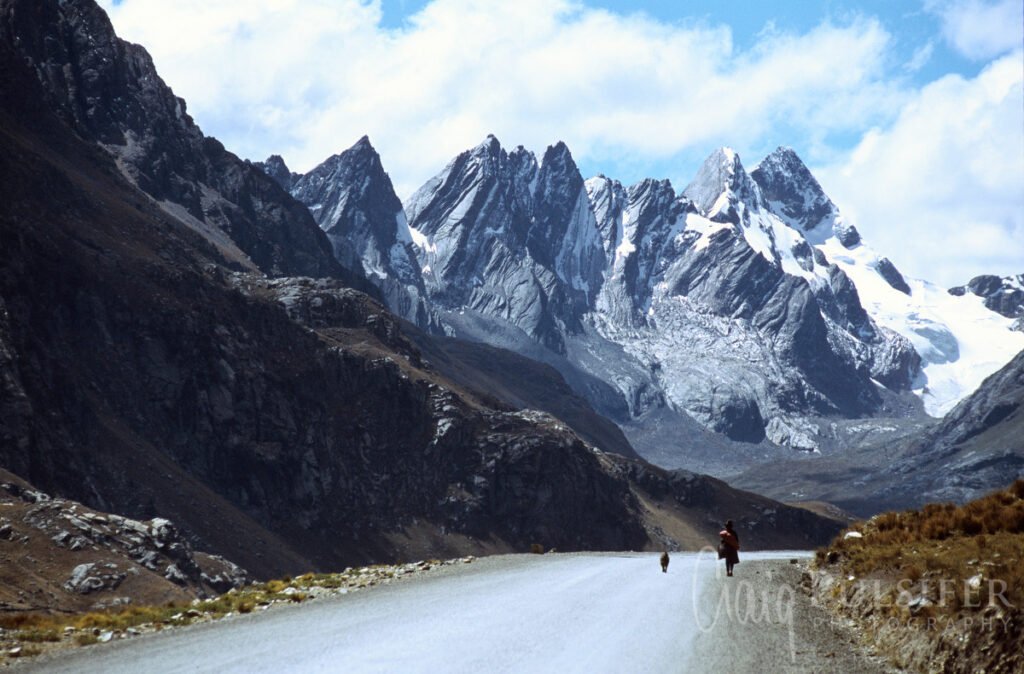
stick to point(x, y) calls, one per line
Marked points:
point(140, 381)
point(107, 90)
point(158, 358)
point(523, 384)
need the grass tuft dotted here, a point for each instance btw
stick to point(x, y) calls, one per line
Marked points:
point(37, 636)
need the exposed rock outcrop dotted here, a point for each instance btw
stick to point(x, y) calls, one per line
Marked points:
point(1002, 295)
point(61, 555)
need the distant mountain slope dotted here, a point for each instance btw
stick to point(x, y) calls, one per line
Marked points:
point(746, 306)
point(747, 302)
point(976, 447)
point(637, 288)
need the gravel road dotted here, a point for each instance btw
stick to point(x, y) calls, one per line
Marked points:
point(514, 613)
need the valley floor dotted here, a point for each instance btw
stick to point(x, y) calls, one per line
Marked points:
point(552, 613)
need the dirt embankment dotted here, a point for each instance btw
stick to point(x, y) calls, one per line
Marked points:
point(902, 627)
point(936, 590)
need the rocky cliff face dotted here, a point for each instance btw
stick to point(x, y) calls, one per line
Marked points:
point(108, 90)
point(509, 239)
point(352, 199)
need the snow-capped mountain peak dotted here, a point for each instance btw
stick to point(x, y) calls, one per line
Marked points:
point(489, 148)
point(794, 195)
point(722, 188)
point(747, 302)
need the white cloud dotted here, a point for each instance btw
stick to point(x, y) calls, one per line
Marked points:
point(941, 191)
point(979, 29)
point(306, 78)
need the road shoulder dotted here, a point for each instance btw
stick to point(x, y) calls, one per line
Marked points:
point(763, 619)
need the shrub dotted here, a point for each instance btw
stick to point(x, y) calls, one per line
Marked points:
point(1013, 519)
point(887, 521)
point(912, 573)
point(26, 621)
point(972, 526)
point(100, 620)
point(936, 529)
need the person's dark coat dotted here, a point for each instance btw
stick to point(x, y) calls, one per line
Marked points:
point(732, 545)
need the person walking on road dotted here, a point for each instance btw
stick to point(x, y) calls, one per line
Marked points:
point(729, 547)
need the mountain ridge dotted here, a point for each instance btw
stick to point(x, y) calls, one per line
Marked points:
point(765, 249)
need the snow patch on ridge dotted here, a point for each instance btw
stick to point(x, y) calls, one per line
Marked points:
point(421, 241)
point(704, 227)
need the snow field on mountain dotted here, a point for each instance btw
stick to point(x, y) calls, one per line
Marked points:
point(960, 340)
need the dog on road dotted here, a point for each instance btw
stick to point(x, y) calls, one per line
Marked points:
point(664, 562)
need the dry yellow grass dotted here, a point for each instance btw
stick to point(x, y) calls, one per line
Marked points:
point(944, 543)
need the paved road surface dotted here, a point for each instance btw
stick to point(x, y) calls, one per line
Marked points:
point(520, 613)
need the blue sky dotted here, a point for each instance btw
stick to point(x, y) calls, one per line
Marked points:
point(911, 114)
